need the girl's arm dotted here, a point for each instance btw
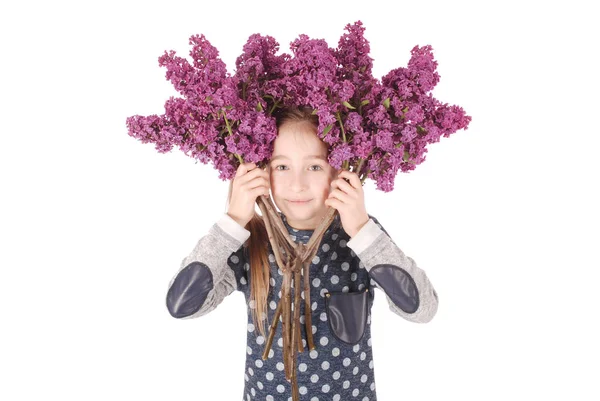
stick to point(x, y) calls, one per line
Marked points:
point(210, 272)
point(408, 290)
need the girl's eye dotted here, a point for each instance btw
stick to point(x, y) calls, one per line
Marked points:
point(318, 168)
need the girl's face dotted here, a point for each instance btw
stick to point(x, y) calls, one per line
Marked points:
point(300, 175)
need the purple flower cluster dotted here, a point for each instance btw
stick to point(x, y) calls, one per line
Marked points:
point(374, 128)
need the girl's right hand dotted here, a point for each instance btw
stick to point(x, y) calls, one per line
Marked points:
point(249, 183)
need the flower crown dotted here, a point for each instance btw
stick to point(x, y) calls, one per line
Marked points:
point(374, 128)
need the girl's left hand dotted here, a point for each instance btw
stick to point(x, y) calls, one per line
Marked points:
point(349, 199)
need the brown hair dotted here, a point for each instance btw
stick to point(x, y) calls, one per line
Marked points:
point(257, 250)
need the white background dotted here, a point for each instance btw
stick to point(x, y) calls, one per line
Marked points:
point(503, 216)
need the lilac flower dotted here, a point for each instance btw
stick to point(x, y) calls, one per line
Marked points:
point(375, 127)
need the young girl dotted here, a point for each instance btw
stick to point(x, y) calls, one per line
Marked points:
point(355, 256)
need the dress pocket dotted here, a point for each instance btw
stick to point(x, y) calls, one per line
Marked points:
point(347, 314)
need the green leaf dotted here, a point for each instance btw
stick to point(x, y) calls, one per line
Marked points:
point(259, 107)
point(348, 105)
point(364, 102)
point(314, 112)
point(327, 129)
point(386, 103)
point(404, 110)
point(405, 156)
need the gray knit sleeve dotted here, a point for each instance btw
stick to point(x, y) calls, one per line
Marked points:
point(408, 290)
point(212, 271)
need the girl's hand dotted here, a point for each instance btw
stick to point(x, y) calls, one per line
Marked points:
point(249, 183)
point(349, 199)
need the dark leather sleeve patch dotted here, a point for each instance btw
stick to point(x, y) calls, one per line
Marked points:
point(347, 314)
point(398, 285)
point(189, 289)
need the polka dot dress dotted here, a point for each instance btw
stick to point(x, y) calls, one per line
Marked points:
point(336, 369)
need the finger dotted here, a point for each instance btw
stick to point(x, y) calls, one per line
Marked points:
point(345, 187)
point(244, 168)
point(258, 182)
point(341, 196)
point(352, 178)
point(334, 203)
point(250, 175)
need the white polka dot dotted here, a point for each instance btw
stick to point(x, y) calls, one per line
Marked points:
point(302, 390)
point(259, 385)
point(293, 237)
point(343, 243)
point(363, 378)
point(246, 266)
point(355, 392)
point(335, 351)
point(302, 367)
point(243, 281)
point(335, 279)
point(316, 260)
point(323, 316)
point(314, 329)
point(247, 397)
point(280, 366)
point(346, 362)
point(324, 341)
point(250, 327)
point(313, 306)
point(314, 354)
point(336, 375)
point(280, 342)
point(314, 399)
point(252, 304)
point(365, 399)
point(272, 281)
point(361, 286)
point(303, 342)
point(371, 364)
point(325, 365)
point(246, 377)
point(273, 305)
point(280, 388)
point(271, 258)
point(336, 397)
point(325, 269)
point(323, 292)
point(302, 319)
point(259, 363)
point(345, 266)
point(270, 398)
point(346, 384)
point(363, 356)
point(356, 348)
point(253, 391)
point(352, 254)
point(345, 288)
point(251, 371)
point(271, 353)
point(316, 282)
point(372, 387)
point(314, 378)
point(234, 259)
point(334, 237)
point(325, 388)
point(353, 276)
point(260, 340)
point(355, 370)
point(269, 375)
point(334, 256)
point(249, 350)
point(369, 342)
point(280, 272)
point(325, 247)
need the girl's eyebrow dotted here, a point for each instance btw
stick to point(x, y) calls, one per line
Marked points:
point(321, 157)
